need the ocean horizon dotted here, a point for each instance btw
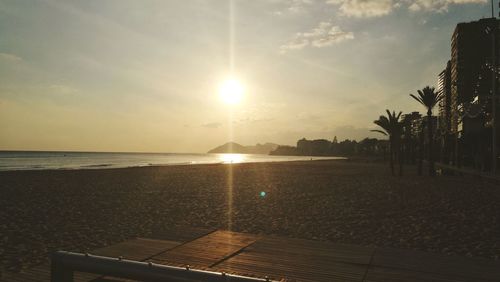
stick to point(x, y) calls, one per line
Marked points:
point(70, 160)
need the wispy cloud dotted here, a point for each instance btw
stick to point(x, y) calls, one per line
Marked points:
point(363, 8)
point(438, 5)
point(212, 125)
point(10, 57)
point(325, 34)
point(294, 6)
point(249, 120)
point(378, 8)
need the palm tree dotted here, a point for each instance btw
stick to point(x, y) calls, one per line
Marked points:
point(429, 98)
point(392, 127)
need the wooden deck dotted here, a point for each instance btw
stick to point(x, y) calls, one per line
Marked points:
point(285, 259)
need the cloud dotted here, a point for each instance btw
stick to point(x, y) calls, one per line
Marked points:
point(10, 57)
point(293, 6)
point(212, 125)
point(249, 120)
point(325, 34)
point(373, 8)
point(378, 8)
point(438, 5)
point(364, 8)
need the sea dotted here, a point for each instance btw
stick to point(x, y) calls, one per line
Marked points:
point(44, 160)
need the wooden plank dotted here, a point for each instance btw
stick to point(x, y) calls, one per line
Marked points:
point(206, 251)
point(382, 274)
point(142, 249)
point(136, 249)
point(139, 249)
point(437, 263)
point(302, 260)
point(280, 266)
point(285, 258)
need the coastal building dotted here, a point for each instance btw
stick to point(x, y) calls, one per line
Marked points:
point(444, 88)
point(471, 73)
point(412, 123)
point(444, 133)
point(471, 51)
point(411, 135)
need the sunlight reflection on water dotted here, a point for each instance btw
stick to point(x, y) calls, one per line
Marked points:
point(231, 158)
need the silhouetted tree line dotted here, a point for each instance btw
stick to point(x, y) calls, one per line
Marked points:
point(412, 136)
point(323, 147)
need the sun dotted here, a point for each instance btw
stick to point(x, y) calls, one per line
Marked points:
point(231, 91)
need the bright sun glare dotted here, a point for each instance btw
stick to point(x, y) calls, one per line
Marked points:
point(231, 158)
point(231, 91)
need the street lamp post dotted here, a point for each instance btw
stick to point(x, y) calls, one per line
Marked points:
point(494, 104)
point(493, 95)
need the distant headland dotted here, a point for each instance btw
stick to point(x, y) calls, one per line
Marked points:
point(235, 148)
point(318, 147)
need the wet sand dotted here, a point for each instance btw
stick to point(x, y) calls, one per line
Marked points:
point(340, 201)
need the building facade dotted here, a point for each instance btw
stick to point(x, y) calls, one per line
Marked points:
point(471, 80)
point(411, 136)
point(444, 135)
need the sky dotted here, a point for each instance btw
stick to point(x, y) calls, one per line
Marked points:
point(143, 76)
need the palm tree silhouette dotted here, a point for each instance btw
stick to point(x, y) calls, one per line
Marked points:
point(392, 127)
point(429, 98)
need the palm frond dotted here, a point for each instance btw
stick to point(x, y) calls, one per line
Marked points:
point(417, 98)
point(390, 124)
point(428, 97)
point(379, 131)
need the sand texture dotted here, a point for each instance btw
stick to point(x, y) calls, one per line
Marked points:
point(340, 201)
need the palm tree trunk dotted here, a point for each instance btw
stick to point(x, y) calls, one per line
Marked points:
point(401, 159)
point(420, 150)
point(391, 155)
point(432, 171)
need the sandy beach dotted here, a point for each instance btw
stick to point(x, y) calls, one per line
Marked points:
point(340, 201)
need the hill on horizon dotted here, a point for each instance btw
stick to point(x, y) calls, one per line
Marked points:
point(235, 148)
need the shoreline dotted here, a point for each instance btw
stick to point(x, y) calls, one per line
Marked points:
point(110, 166)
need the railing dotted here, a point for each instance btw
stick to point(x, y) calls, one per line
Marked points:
point(64, 264)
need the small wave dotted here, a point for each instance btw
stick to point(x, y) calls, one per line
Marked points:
point(35, 166)
point(140, 165)
point(97, 165)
